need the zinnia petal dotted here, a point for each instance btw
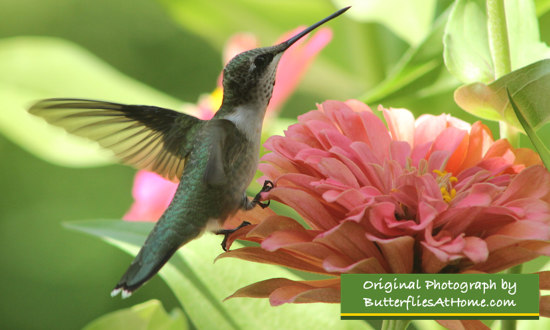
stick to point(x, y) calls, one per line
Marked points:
point(463, 324)
point(400, 124)
point(257, 254)
point(281, 290)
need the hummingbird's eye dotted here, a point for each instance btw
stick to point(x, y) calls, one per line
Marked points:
point(262, 61)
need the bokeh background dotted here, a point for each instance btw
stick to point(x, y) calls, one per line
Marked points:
point(154, 52)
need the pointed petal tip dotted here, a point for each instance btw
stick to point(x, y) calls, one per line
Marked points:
point(222, 255)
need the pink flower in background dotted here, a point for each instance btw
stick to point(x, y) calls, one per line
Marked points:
point(430, 195)
point(151, 192)
point(294, 64)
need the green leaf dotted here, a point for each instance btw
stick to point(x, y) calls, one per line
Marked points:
point(542, 149)
point(416, 63)
point(201, 286)
point(527, 85)
point(466, 44)
point(542, 6)
point(410, 20)
point(33, 68)
point(149, 315)
point(524, 34)
point(467, 53)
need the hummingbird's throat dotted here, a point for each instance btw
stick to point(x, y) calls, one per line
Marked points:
point(248, 119)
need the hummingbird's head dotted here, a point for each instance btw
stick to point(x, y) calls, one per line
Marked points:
point(248, 79)
point(250, 76)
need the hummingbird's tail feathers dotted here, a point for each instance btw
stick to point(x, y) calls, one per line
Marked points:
point(138, 273)
point(125, 293)
point(146, 137)
point(163, 241)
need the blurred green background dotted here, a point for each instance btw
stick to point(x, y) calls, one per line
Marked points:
point(55, 278)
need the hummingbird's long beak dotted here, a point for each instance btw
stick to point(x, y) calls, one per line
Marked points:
point(292, 40)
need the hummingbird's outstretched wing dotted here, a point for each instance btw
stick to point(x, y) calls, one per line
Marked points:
point(145, 137)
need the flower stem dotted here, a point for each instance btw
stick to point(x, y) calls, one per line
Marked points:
point(509, 132)
point(498, 37)
point(508, 325)
point(500, 53)
point(511, 324)
point(395, 324)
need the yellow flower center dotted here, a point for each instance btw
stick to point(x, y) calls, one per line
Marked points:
point(445, 181)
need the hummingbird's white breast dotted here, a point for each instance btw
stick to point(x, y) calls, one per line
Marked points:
point(249, 120)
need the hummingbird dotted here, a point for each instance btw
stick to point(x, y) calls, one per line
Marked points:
point(215, 160)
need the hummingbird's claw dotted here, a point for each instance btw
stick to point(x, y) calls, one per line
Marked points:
point(263, 205)
point(268, 185)
point(227, 232)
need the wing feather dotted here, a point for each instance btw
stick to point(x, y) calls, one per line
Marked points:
point(145, 137)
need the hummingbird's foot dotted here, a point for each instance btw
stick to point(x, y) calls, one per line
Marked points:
point(268, 185)
point(227, 232)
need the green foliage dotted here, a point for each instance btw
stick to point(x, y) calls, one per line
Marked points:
point(543, 151)
point(467, 55)
point(416, 79)
point(493, 47)
point(467, 47)
point(224, 19)
point(410, 20)
point(417, 62)
point(201, 286)
point(149, 315)
point(526, 85)
point(542, 6)
point(36, 67)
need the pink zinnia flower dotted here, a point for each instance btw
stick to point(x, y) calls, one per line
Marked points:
point(434, 194)
point(152, 193)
